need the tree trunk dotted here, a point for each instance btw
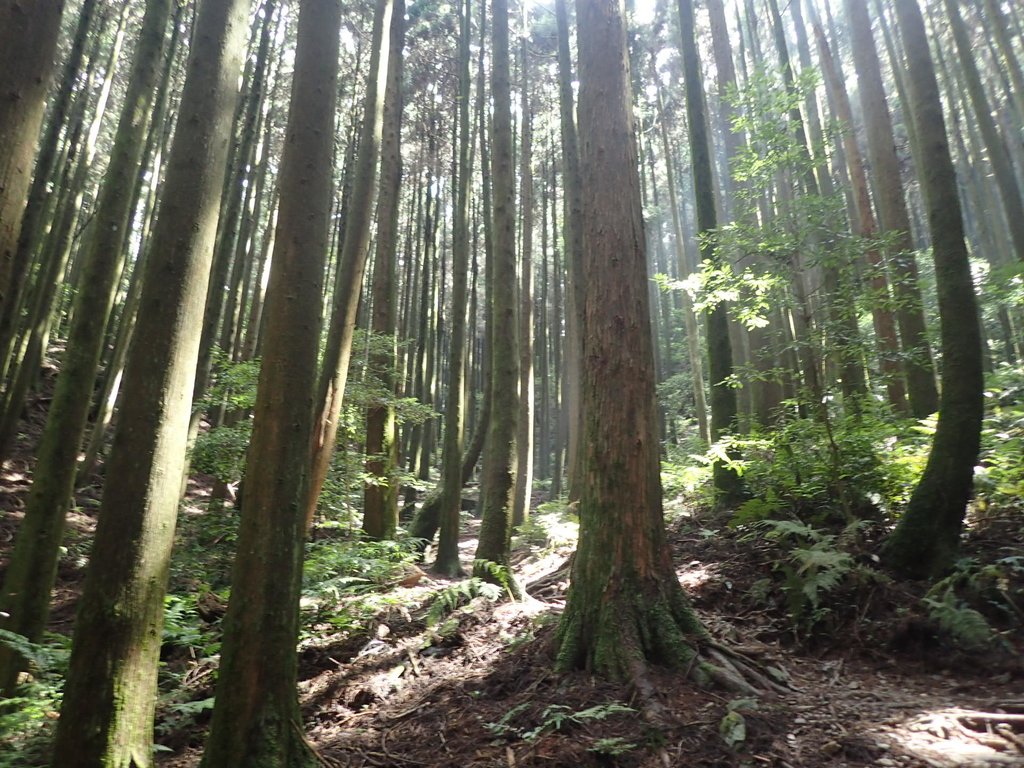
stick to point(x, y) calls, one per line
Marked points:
point(892, 211)
point(927, 537)
point(524, 437)
point(499, 467)
point(28, 47)
point(256, 718)
point(352, 262)
point(447, 561)
point(33, 568)
point(572, 236)
point(625, 606)
point(724, 407)
point(110, 694)
point(380, 507)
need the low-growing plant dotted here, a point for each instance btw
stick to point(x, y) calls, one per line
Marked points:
point(814, 565)
point(27, 718)
point(555, 717)
point(454, 596)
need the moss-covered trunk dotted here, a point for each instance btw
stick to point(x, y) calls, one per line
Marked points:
point(926, 540)
point(380, 508)
point(33, 567)
point(352, 261)
point(256, 720)
point(28, 44)
point(110, 694)
point(625, 606)
point(447, 561)
point(499, 467)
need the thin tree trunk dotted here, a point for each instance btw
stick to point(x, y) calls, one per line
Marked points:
point(352, 262)
point(380, 508)
point(499, 468)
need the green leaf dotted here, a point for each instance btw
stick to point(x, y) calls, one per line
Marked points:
point(733, 729)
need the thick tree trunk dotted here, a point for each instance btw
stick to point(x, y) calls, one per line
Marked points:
point(33, 568)
point(256, 720)
point(625, 606)
point(927, 537)
point(107, 713)
point(28, 47)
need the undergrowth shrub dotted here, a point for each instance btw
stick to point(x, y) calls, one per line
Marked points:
point(345, 582)
point(817, 572)
point(28, 717)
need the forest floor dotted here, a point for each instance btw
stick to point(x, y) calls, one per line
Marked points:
point(869, 682)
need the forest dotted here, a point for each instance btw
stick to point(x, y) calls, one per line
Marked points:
point(511, 383)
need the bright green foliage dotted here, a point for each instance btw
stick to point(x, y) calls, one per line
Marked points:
point(221, 451)
point(453, 597)
point(964, 624)
point(974, 599)
point(612, 747)
point(552, 525)
point(999, 480)
point(234, 384)
point(334, 564)
point(855, 467)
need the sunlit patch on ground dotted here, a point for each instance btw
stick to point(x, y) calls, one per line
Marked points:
point(964, 737)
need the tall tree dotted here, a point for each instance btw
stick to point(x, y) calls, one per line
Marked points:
point(572, 238)
point(524, 436)
point(892, 212)
point(28, 47)
point(995, 145)
point(256, 719)
point(448, 542)
point(49, 151)
point(110, 694)
point(352, 260)
point(380, 508)
point(33, 568)
point(499, 467)
point(927, 537)
point(624, 606)
point(864, 225)
point(723, 397)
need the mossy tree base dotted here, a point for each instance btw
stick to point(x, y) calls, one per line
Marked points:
point(632, 624)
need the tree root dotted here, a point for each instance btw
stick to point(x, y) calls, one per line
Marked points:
point(736, 671)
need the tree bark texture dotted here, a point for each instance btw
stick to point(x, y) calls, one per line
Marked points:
point(33, 568)
point(625, 606)
point(28, 46)
point(499, 462)
point(107, 713)
point(927, 537)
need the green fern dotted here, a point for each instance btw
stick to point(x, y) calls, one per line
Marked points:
point(966, 626)
point(456, 595)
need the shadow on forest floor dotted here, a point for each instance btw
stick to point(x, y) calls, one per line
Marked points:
point(872, 683)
